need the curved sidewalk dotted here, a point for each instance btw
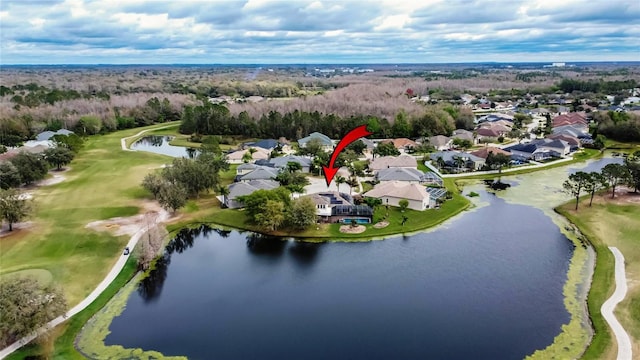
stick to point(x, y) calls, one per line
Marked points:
point(622, 337)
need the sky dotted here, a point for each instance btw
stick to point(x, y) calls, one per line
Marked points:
point(317, 32)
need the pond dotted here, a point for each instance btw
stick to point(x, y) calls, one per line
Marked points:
point(159, 144)
point(485, 285)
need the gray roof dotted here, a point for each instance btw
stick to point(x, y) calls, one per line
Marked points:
point(324, 139)
point(281, 162)
point(439, 140)
point(247, 188)
point(247, 166)
point(261, 173)
point(449, 156)
point(46, 135)
point(462, 134)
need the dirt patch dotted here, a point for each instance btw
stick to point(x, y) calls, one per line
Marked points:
point(18, 228)
point(348, 229)
point(624, 196)
point(381, 224)
point(129, 225)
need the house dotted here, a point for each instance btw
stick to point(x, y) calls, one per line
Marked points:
point(237, 157)
point(282, 161)
point(404, 145)
point(336, 207)
point(541, 149)
point(244, 169)
point(410, 175)
point(484, 152)
point(463, 135)
point(246, 188)
point(457, 160)
point(574, 142)
point(440, 142)
point(261, 173)
point(266, 144)
point(385, 162)
point(495, 117)
point(47, 135)
point(570, 119)
point(391, 193)
point(577, 130)
point(324, 140)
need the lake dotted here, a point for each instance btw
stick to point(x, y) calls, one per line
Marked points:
point(486, 285)
point(159, 144)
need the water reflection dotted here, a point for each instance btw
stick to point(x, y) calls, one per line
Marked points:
point(150, 288)
point(259, 244)
point(159, 144)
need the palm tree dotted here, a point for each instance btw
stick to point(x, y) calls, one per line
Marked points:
point(224, 191)
point(340, 180)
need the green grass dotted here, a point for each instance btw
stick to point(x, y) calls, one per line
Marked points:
point(64, 344)
point(609, 224)
point(103, 182)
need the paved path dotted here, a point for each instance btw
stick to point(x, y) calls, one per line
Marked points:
point(123, 141)
point(622, 337)
point(117, 267)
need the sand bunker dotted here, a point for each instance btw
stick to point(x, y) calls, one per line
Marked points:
point(150, 214)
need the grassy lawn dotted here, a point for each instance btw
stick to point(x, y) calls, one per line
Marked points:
point(103, 182)
point(610, 223)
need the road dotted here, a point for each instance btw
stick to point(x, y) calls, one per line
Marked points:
point(622, 337)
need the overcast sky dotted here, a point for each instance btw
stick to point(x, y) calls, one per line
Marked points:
point(379, 31)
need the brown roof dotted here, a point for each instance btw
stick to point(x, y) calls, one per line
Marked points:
point(484, 152)
point(488, 132)
point(400, 190)
point(571, 140)
point(393, 161)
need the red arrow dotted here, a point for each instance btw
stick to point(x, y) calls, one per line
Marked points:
point(353, 135)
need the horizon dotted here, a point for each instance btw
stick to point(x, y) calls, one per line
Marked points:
point(80, 32)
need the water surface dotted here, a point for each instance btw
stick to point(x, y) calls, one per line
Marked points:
point(159, 144)
point(488, 285)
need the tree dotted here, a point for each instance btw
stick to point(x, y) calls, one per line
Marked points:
point(172, 196)
point(32, 167)
point(302, 213)
point(340, 180)
point(386, 149)
point(599, 142)
point(9, 176)
point(246, 157)
point(576, 184)
point(27, 306)
point(404, 204)
point(58, 156)
point(255, 203)
point(151, 241)
point(72, 142)
point(224, 192)
point(293, 166)
point(632, 163)
point(153, 182)
point(462, 143)
point(615, 174)
point(13, 207)
point(595, 182)
point(357, 147)
point(497, 161)
point(272, 216)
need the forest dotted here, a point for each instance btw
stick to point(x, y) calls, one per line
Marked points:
point(289, 101)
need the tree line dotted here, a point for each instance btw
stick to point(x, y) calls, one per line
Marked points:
point(611, 176)
point(596, 86)
point(215, 119)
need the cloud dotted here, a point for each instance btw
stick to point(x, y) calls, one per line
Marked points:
point(263, 31)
